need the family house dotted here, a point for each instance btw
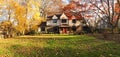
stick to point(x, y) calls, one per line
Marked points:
point(61, 24)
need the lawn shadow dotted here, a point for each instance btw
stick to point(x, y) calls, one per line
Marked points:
point(108, 37)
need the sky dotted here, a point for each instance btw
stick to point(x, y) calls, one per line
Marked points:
point(66, 1)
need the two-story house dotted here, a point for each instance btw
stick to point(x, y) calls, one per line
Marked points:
point(61, 24)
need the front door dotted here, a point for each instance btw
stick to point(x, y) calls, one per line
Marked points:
point(56, 29)
point(64, 30)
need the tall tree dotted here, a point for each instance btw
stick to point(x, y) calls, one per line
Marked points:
point(36, 19)
point(107, 8)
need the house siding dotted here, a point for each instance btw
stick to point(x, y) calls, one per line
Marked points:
point(67, 22)
point(74, 24)
point(50, 23)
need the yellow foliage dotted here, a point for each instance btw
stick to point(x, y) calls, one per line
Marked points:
point(20, 16)
point(1, 1)
point(21, 12)
point(4, 25)
point(36, 19)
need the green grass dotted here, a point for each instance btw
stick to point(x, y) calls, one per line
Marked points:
point(58, 46)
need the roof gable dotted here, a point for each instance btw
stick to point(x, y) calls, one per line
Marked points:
point(63, 16)
point(54, 17)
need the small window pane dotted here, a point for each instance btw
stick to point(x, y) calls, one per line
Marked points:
point(73, 21)
point(64, 20)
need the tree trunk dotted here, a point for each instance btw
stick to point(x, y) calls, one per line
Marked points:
point(112, 30)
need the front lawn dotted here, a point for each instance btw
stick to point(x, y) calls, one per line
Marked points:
point(58, 46)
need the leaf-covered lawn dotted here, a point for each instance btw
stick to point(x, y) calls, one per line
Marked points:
point(58, 46)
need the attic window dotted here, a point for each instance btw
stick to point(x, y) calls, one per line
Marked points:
point(74, 21)
point(64, 20)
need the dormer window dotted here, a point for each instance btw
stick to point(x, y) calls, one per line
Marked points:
point(73, 21)
point(64, 20)
point(55, 21)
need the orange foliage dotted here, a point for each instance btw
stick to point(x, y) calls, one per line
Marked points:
point(68, 11)
point(117, 8)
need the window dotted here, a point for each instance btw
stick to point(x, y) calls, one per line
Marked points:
point(73, 21)
point(56, 29)
point(74, 28)
point(55, 21)
point(64, 20)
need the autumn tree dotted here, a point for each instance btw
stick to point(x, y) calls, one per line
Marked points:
point(8, 29)
point(36, 19)
point(19, 17)
point(7, 13)
point(96, 10)
point(107, 8)
point(50, 7)
point(26, 17)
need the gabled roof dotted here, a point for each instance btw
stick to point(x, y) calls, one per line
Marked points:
point(50, 16)
point(72, 17)
point(63, 16)
point(67, 16)
point(54, 17)
point(58, 15)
